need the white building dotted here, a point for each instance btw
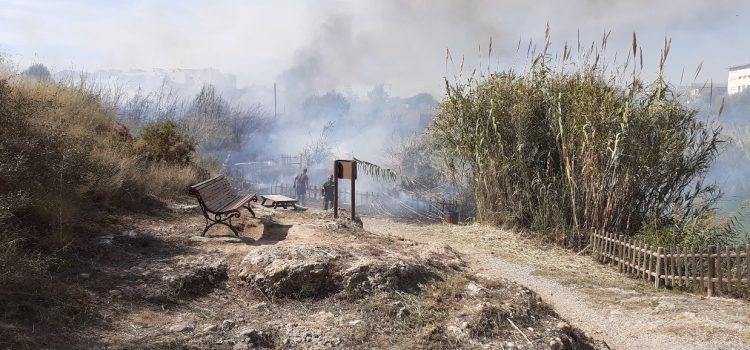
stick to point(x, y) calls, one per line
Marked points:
point(739, 79)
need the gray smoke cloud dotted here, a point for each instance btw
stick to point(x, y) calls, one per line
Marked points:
point(351, 45)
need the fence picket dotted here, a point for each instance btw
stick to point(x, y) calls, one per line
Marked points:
point(738, 268)
point(730, 269)
point(634, 258)
point(680, 266)
point(674, 267)
point(620, 253)
point(658, 267)
point(698, 260)
point(719, 274)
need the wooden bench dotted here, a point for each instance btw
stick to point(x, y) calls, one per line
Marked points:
point(220, 203)
point(275, 201)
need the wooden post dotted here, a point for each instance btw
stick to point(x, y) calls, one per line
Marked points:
point(719, 271)
point(646, 261)
point(738, 268)
point(620, 252)
point(657, 278)
point(672, 265)
point(335, 189)
point(595, 245)
point(354, 180)
point(681, 267)
point(729, 269)
point(710, 270)
point(631, 256)
point(686, 269)
point(697, 268)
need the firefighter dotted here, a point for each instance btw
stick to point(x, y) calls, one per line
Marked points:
point(301, 183)
point(327, 192)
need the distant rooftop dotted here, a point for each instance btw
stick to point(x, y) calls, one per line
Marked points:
point(741, 66)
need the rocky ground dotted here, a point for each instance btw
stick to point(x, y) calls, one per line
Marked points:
point(626, 313)
point(301, 280)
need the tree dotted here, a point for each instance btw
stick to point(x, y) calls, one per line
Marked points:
point(38, 71)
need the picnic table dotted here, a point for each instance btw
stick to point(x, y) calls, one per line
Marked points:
point(277, 200)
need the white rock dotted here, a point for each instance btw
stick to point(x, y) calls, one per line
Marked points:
point(227, 324)
point(355, 322)
point(210, 327)
point(182, 327)
point(473, 288)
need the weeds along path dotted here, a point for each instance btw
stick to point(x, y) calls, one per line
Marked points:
point(626, 313)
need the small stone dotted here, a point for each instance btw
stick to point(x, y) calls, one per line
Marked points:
point(355, 322)
point(227, 324)
point(258, 305)
point(403, 313)
point(563, 327)
point(325, 314)
point(255, 337)
point(181, 327)
point(473, 288)
point(210, 327)
point(84, 275)
point(531, 329)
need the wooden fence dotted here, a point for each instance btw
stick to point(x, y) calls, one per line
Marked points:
point(712, 270)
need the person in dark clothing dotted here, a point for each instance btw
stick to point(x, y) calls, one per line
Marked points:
point(327, 192)
point(301, 183)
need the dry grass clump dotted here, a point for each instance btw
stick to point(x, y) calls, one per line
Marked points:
point(571, 145)
point(64, 161)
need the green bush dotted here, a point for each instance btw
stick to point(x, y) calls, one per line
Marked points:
point(165, 141)
point(568, 147)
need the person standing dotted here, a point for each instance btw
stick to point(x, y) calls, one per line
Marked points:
point(301, 183)
point(327, 192)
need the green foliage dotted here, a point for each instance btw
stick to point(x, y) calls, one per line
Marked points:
point(566, 150)
point(375, 170)
point(165, 141)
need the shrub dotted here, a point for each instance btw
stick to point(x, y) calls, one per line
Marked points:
point(165, 141)
point(567, 150)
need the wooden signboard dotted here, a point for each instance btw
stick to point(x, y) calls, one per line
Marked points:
point(343, 169)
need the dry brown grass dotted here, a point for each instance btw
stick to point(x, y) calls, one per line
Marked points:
point(65, 162)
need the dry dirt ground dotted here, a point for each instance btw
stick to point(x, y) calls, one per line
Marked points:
point(626, 313)
point(300, 280)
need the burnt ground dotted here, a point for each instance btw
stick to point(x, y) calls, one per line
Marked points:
point(298, 279)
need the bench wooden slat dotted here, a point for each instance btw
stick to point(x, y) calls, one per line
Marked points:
point(216, 203)
point(208, 182)
point(213, 190)
point(237, 203)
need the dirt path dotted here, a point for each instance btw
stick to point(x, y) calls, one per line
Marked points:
point(626, 313)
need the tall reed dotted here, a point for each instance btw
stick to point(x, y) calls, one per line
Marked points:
point(572, 145)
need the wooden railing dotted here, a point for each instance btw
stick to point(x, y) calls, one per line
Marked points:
point(715, 271)
point(403, 205)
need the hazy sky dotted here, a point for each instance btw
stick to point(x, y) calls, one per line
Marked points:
point(351, 44)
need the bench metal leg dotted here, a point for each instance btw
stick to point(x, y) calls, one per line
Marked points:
point(223, 220)
point(250, 209)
